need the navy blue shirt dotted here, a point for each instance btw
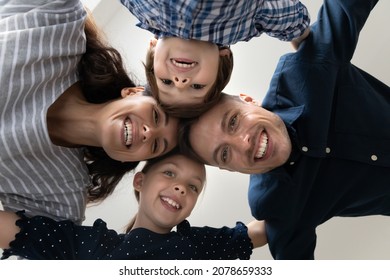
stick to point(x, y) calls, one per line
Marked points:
point(338, 117)
point(42, 238)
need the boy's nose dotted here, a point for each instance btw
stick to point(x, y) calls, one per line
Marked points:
point(147, 133)
point(180, 81)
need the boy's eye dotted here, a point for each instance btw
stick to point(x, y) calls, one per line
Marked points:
point(197, 86)
point(166, 82)
point(193, 188)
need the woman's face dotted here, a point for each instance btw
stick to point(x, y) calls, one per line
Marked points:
point(135, 128)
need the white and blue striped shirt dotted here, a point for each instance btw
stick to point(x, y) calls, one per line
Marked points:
point(41, 43)
point(223, 22)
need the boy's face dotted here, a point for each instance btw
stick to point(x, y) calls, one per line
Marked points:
point(185, 70)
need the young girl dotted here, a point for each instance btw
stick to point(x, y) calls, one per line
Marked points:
point(167, 189)
point(72, 121)
point(191, 62)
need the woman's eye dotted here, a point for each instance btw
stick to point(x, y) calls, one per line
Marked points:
point(197, 86)
point(224, 155)
point(155, 146)
point(156, 116)
point(166, 82)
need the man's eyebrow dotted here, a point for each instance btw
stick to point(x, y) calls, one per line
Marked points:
point(223, 129)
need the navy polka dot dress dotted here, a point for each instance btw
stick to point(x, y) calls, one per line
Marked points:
point(45, 239)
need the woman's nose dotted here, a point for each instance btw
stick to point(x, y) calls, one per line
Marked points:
point(147, 133)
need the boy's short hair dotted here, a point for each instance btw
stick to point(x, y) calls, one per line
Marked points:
point(225, 69)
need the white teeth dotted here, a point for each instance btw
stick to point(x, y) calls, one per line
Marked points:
point(183, 64)
point(263, 146)
point(128, 132)
point(171, 202)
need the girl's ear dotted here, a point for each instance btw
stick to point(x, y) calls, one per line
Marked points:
point(128, 91)
point(225, 52)
point(138, 181)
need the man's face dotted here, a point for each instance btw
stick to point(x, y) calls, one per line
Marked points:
point(241, 136)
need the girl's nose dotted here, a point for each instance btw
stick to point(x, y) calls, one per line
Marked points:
point(179, 189)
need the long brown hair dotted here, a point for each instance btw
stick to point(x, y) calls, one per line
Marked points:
point(102, 77)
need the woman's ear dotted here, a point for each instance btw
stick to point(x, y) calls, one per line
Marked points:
point(248, 99)
point(138, 181)
point(125, 92)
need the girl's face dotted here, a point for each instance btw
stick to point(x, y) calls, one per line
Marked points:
point(185, 70)
point(168, 192)
point(135, 128)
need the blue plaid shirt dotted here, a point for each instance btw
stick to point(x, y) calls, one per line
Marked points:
point(220, 21)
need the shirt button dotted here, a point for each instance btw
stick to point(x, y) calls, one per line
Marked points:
point(292, 163)
point(327, 150)
point(181, 23)
point(305, 149)
point(374, 158)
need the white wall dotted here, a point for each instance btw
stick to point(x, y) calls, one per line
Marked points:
point(225, 198)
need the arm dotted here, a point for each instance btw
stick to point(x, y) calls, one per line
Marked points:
point(8, 229)
point(257, 233)
point(296, 42)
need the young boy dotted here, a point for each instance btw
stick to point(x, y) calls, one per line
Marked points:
point(191, 62)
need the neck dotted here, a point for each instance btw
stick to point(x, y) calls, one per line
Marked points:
point(69, 119)
point(141, 223)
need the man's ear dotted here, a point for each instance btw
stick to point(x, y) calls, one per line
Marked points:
point(128, 91)
point(248, 99)
point(225, 52)
point(138, 181)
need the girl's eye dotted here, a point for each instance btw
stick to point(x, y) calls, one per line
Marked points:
point(169, 173)
point(166, 82)
point(233, 122)
point(156, 116)
point(197, 86)
point(193, 188)
point(224, 155)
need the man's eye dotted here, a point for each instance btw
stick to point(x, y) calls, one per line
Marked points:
point(224, 155)
point(166, 82)
point(232, 122)
point(197, 86)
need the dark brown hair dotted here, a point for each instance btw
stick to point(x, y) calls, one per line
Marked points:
point(225, 69)
point(102, 77)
